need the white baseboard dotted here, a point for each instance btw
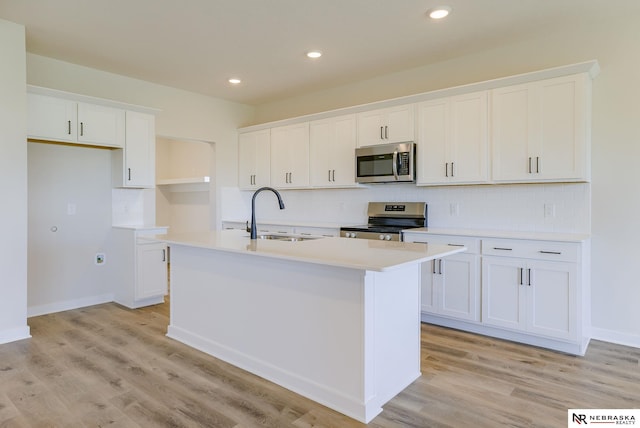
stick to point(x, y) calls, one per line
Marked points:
point(612, 336)
point(13, 334)
point(33, 311)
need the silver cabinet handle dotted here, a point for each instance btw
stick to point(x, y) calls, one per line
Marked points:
point(381, 133)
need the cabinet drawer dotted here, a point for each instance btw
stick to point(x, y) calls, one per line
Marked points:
point(540, 250)
point(472, 244)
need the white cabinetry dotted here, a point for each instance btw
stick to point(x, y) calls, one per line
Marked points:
point(141, 277)
point(290, 156)
point(388, 125)
point(332, 144)
point(531, 287)
point(451, 286)
point(134, 166)
point(452, 140)
point(254, 156)
point(541, 130)
point(58, 119)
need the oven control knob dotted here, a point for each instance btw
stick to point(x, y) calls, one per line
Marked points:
point(381, 237)
point(387, 237)
point(351, 235)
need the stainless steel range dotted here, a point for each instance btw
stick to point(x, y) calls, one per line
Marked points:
point(387, 220)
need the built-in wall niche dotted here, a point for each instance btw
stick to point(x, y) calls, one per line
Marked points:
point(184, 188)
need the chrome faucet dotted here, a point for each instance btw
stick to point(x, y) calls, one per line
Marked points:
point(252, 230)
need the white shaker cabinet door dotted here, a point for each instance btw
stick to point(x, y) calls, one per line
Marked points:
point(332, 144)
point(254, 158)
point(100, 125)
point(51, 119)
point(503, 302)
point(151, 267)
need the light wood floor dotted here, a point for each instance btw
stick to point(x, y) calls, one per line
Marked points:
point(109, 366)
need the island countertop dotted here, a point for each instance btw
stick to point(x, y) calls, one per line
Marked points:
point(362, 254)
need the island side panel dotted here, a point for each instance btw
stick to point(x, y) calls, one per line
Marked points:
point(299, 325)
point(393, 323)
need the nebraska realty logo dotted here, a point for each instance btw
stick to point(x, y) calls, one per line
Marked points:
point(581, 417)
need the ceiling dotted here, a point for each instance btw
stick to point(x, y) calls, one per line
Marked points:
point(197, 45)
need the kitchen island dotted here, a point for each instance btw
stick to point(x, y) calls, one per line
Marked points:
point(336, 320)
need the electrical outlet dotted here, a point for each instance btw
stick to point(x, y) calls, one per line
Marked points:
point(549, 210)
point(454, 209)
point(71, 209)
point(100, 259)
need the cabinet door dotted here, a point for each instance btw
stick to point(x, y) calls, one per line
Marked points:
point(50, 118)
point(332, 144)
point(428, 295)
point(371, 128)
point(468, 148)
point(561, 114)
point(151, 265)
point(101, 126)
point(503, 299)
point(460, 287)
point(254, 157)
point(140, 151)
point(511, 134)
point(552, 299)
point(401, 123)
point(433, 136)
point(290, 156)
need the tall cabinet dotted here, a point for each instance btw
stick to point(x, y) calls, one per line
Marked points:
point(332, 144)
point(254, 159)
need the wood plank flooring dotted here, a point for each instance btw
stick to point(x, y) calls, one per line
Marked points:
point(109, 366)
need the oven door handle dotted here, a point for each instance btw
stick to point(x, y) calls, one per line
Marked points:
point(394, 168)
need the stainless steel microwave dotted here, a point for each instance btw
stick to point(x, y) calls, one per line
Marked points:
point(386, 163)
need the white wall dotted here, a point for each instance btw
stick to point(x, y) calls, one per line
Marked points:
point(615, 207)
point(69, 222)
point(13, 184)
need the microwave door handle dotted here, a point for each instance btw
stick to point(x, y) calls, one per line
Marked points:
point(395, 164)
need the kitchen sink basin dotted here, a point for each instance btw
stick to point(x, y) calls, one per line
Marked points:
point(288, 238)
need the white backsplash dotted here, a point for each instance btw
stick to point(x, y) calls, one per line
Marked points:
point(513, 207)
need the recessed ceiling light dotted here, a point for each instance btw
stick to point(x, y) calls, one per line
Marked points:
point(234, 81)
point(314, 54)
point(439, 12)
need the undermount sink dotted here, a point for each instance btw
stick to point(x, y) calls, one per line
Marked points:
point(288, 238)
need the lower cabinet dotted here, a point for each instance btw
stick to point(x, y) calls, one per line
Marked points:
point(525, 290)
point(531, 296)
point(142, 275)
point(451, 286)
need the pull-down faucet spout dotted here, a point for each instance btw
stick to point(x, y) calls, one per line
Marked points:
point(254, 234)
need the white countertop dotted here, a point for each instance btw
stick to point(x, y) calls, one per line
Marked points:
point(362, 254)
point(503, 234)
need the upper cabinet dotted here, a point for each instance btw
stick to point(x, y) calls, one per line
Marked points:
point(134, 166)
point(388, 125)
point(254, 159)
point(332, 144)
point(541, 130)
point(452, 140)
point(290, 156)
point(56, 119)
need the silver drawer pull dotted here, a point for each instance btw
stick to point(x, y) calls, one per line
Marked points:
point(456, 245)
point(551, 252)
point(503, 249)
